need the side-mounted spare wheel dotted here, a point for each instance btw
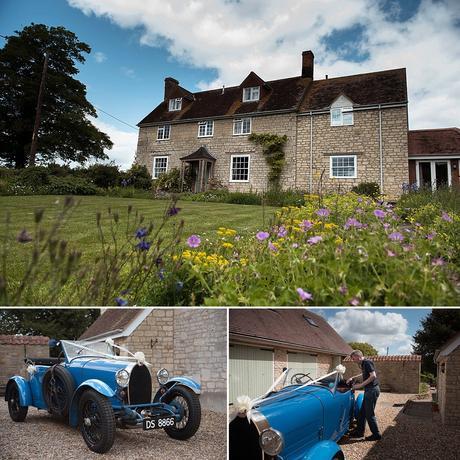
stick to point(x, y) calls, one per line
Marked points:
point(96, 421)
point(17, 412)
point(58, 389)
point(188, 403)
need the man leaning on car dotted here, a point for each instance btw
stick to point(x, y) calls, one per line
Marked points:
point(370, 384)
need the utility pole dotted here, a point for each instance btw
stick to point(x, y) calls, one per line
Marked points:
point(33, 145)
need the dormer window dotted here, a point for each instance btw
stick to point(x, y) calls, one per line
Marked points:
point(341, 116)
point(175, 104)
point(251, 94)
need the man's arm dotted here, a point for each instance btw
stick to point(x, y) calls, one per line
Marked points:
point(371, 378)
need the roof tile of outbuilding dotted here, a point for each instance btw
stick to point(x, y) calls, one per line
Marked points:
point(434, 141)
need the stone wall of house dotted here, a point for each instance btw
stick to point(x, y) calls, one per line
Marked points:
point(184, 140)
point(360, 139)
point(186, 342)
point(449, 389)
point(12, 360)
point(394, 376)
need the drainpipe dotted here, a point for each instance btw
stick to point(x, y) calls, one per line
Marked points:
point(381, 149)
point(311, 153)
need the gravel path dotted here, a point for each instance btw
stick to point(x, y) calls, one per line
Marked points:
point(405, 437)
point(43, 436)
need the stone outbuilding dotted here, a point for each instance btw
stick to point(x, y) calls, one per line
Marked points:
point(448, 361)
point(13, 350)
point(396, 373)
point(265, 341)
point(185, 341)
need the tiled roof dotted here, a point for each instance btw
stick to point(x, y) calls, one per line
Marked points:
point(23, 340)
point(288, 327)
point(200, 154)
point(111, 320)
point(288, 94)
point(434, 142)
point(391, 358)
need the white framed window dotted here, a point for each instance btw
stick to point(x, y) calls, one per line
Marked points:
point(175, 104)
point(160, 166)
point(163, 132)
point(239, 168)
point(341, 116)
point(344, 167)
point(251, 94)
point(241, 126)
point(206, 128)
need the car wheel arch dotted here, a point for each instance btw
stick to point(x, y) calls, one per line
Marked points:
point(25, 393)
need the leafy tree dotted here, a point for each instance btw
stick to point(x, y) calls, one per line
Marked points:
point(437, 328)
point(52, 322)
point(65, 131)
point(366, 348)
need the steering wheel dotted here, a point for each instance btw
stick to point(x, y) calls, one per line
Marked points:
point(300, 378)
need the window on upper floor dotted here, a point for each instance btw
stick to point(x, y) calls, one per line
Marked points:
point(239, 168)
point(163, 132)
point(175, 104)
point(241, 126)
point(160, 166)
point(341, 116)
point(343, 167)
point(251, 94)
point(206, 128)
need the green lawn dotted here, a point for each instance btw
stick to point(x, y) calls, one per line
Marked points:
point(81, 231)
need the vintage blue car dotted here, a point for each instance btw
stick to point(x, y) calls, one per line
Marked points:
point(297, 419)
point(94, 388)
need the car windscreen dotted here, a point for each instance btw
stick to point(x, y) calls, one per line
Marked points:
point(297, 377)
point(80, 348)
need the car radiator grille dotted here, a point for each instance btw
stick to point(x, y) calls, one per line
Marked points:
point(244, 441)
point(140, 386)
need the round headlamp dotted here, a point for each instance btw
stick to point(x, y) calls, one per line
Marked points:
point(271, 441)
point(162, 376)
point(122, 378)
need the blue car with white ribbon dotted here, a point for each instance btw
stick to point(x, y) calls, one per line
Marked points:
point(98, 386)
point(298, 418)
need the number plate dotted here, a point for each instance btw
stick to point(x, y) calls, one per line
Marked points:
point(155, 423)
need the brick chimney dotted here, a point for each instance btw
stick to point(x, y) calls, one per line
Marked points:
point(307, 64)
point(170, 85)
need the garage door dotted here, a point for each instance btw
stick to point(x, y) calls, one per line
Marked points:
point(302, 362)
point(250, 371)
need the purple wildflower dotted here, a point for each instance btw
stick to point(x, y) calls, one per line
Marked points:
point(282, 232)
point(390, 253)
point(295, 245)
point(323, 212)
point(386, 226)
point(343, 289)
point(143, 245)
point(193, 241)
point(354, 301)
point(24, 237)
point(446, 217)
point(431, 235)
point(306, 224)
point(360, 200)
point(304, 295)
point(438, 262)
point(272, 247)
point(262, 236)
point(380, 214)
point(396, 236)
point(314, 240)
point(141, 232)
point(408, 247)
point(172, 211)
point(161, 274)
point(352, 222)
point(121, 302)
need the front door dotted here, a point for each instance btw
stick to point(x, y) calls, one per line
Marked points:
point(434, 174)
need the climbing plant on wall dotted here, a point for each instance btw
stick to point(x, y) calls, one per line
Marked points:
point(273, 150)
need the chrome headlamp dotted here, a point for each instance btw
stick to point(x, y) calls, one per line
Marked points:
point(162, 376)
point(122, 378)
point(271, 441)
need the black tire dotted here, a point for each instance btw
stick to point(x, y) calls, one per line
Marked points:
point(97, 421)
point(58, 388)
point(17, 413)
point(190, 403)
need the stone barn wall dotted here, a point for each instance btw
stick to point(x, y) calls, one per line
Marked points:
point(449, 388)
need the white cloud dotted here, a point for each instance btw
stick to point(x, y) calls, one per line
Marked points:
point(267, 36)
point(128, 72)
point(124, 144)
point(99, 57)
point(381, 330)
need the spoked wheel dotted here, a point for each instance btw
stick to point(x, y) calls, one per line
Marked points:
point(58, 388)
point(97, 421)
point(187, 403)
point(17, 412)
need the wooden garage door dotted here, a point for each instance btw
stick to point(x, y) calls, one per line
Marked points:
point(250, 371)
point(302, 362)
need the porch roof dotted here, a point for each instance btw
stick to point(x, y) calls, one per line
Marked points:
point(200, 154)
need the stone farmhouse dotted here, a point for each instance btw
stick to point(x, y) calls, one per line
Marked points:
point(340, 131)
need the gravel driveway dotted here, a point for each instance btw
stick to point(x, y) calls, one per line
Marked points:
point(405, 437)
point(42, 435)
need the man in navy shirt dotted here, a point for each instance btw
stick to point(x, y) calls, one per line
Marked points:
point(370, 384)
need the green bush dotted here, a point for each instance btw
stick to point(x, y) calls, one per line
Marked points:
point(36, 176)
point(370, 189)
point(104, 176)
point(424, 388)
point(284, 198)
point(446, 198)
point(69, 186)
point(137, 176)
point(428, 377)
point(168, 182)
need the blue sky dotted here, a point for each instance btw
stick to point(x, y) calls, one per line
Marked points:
point(381, 327)
point(206, 43)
